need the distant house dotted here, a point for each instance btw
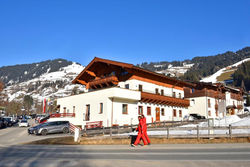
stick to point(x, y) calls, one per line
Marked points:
point(118, 92)
point(214, 100)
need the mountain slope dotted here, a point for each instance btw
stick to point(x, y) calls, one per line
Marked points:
point(49, 84)
point(199, 67)
point(214, 78)
point(20, 73)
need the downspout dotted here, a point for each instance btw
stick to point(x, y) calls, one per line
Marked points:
point(206, 103)
point(112, 99)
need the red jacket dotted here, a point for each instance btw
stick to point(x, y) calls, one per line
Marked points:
point(140, 127)
point(144, 124)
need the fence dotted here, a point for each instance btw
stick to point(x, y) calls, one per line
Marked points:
point(171, 129)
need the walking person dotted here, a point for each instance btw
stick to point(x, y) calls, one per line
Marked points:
point(140, 133)
point(145, 129)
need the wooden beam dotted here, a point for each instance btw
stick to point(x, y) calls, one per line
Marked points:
point(87, 86)
point(82, 82)
point(91, 73)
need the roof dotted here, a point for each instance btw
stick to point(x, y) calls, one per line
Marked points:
point(130, 67)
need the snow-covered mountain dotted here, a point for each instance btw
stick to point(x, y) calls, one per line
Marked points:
point(48, 85)
point(214, 78)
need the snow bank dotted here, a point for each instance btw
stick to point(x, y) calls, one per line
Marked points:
point(234, 120)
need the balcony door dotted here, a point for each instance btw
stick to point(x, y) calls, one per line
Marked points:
point(157, 114)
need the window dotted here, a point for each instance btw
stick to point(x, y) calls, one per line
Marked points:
point(148, 110)
point(101, 108)
point(87, 114)
point(193, 90)
point(127, 86)
point(156, 91)
point(193, 101)
point(174, 94)
point(140, 110)
point(140, 88)
point(74, 109)
point(174, 112)
point(162, 112)
point(162, 92)
point(124, 109)
point(180, 113)
point(180, 95)
point(208, 103)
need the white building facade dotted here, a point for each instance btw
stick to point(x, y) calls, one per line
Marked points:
point(117, 93)
point(214, 101)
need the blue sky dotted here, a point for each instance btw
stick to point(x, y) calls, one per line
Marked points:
point(132, 31)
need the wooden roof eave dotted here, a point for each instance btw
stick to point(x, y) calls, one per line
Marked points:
point(178, 82)
point(96, 59)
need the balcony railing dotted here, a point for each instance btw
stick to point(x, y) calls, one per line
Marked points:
point(239, 107)
point(103, 82)
point(57, 115)
point(164, 100)
point(236, 97)
point(209, 93)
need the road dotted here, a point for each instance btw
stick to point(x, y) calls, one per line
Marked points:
point(177, 155)
point(14, 153)
point(19, 135)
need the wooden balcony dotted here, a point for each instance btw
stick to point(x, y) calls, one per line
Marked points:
point(102, 82)
point(239, 107)
point(163, 100)
point(58, 115)
point(203, 93)
point(236, 97)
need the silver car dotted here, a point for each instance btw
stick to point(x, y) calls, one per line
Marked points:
point(50, 127)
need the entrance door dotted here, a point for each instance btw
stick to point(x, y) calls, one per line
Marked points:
point(157, 114)
point(233, 111)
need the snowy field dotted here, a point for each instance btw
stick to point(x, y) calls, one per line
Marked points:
point(233, 120)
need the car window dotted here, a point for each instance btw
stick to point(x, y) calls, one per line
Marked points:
point(52, 123)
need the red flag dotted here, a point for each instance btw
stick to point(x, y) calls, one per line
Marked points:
point(44, 105)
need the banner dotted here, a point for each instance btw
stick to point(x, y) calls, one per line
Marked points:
point(44, 105)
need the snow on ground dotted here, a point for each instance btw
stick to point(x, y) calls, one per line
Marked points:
point(212, 78)
point(233, 120)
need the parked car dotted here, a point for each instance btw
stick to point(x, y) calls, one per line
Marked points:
point(7, 121)
point(197, 116)
point(246, 110)
point(2, 125)
point(50, 127)
point(24, 123)
point(39, 117)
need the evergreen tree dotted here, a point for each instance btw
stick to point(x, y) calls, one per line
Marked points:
point(27, 102)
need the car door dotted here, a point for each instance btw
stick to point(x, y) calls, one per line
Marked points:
point(58, 127)
point(51, 127)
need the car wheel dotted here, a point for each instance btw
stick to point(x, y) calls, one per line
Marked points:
point(44, 132)
point(65, 130)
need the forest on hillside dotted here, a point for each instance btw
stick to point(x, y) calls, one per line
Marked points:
point(242, 76)
point(203, 66)
point(25, 72)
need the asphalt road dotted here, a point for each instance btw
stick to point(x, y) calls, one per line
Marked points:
point(178, 155)
point(14, 153)
point(19, 135)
